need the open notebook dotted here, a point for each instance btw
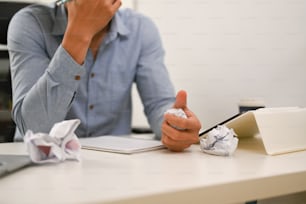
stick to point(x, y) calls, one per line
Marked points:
point(120, 144)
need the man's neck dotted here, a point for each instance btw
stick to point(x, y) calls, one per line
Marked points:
point(97, 40)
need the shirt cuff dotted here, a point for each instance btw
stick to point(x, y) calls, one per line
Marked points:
point(63, 68)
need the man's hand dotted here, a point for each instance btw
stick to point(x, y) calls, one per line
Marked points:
point(178, 140)
point(86, 18)
point(91, 16)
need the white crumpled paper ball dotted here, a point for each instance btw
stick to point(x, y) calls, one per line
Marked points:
point(177, 112)
point(220, 141)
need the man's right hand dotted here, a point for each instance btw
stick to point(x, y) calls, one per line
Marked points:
point(85, 19)
point(91, 16)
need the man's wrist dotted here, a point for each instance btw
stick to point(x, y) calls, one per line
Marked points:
point(76, 44)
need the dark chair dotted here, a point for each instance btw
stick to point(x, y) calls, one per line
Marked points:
point(7, 11)
point(7, 126)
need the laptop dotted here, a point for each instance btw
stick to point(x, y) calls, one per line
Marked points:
point(12, 163)
point(282, 129)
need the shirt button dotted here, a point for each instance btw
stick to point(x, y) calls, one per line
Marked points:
point(92, 75)
point(91, 107)
point(77, 77)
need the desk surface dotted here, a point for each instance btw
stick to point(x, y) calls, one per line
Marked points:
point(158, 177)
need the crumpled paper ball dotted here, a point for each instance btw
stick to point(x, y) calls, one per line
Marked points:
point(61, 143)
point(177, 112)
point(220, 141)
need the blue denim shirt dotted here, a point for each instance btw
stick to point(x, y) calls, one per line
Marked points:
point(49, 86)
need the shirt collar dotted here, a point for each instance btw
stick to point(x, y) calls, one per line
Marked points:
point(60, 23)
point(117, 25)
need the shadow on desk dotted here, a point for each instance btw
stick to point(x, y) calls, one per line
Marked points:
point(296, 198)
point(254, 144)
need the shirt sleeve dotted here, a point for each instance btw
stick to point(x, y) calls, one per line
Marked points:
point(43, 86)
point(152, 78)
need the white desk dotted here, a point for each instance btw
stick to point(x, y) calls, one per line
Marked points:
point(158, 177)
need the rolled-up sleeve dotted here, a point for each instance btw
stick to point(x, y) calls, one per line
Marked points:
point(153, 81)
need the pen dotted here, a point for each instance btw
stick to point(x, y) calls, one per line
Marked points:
point(222, 123)
point(60, 2)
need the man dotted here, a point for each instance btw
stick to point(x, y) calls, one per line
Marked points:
point(79, 60)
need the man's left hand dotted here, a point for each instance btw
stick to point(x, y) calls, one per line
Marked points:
point(187, 133)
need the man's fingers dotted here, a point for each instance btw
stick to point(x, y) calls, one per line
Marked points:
point(172, 133)
point(181, 100)
point(181, 123)
point(174, 145)
point(116, 5)
point(178, 135)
